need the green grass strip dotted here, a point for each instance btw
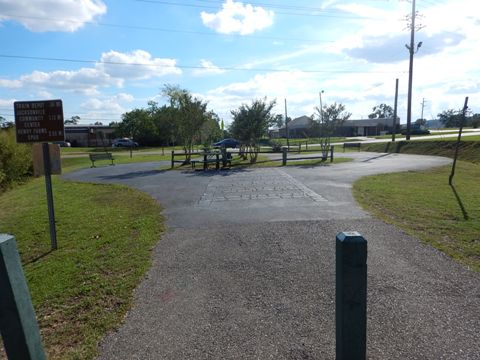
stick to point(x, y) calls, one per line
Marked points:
point(425, 206)
point(105, 237)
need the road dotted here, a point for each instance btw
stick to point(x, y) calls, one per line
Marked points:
point(441, 135)
point(246, 269)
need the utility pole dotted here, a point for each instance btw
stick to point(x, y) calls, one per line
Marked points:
point(423, 106)
point(286, 125)
point(464, 113)
point(394, 129)
point(412, 51)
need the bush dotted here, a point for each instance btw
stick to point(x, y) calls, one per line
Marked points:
point(276, 145)
point(15, 159)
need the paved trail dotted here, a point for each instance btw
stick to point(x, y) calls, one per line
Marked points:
point(246, 270)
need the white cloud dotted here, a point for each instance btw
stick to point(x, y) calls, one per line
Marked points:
point(7, 103)
point(297, 86)
point(87, 81)
point(48, 15)
point(207, 68)
point(235, 17)
point(106, 108)
point(138, 64)
point(11, 84)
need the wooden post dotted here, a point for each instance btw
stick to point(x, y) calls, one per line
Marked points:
point(284, 156)
point(224, 156)
point(18, 323)
point(173, 157)
point(351, 296)
point(331, 153)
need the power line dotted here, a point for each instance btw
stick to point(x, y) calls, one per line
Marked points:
point(152, 28)
point(161, 2)
point(227, 68)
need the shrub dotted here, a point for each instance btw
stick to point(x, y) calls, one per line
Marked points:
point(276, 145)
point(15, 159)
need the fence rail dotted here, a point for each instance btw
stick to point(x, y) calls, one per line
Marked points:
point(285, 150)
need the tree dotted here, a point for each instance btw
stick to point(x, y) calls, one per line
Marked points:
point(450, 118)
point(211, 130)
point(421, 122)
point(382, 111)
point(74, 120)
point(474, 121)
point(251, 122)
point(190, 115)
point(326, 122)
point(138, 124)
point(4, 124)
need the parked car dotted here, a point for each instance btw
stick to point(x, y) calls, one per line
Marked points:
point(125, 142)
point(227, 143)
point(416, 130)
point(63, 143)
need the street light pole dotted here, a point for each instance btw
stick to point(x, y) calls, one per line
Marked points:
point(321, 107)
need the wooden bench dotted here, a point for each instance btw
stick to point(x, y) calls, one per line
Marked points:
point(352, 145)
point(101, 156)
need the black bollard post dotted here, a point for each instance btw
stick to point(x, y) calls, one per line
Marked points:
point(173, 155)
point(331, 153)
point(18, 323)
point(351, 296)
point(284, 157)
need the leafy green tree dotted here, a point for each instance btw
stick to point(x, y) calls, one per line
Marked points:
point(4, 124)
point(164, 120)
point(421, 122)
point(382, 111)
point(211, 130)
point(332, 117)
point(190, 115)
point(251, 122)
point(450, 118)
point(474, 121)
point(326, 123)
point(138, 125)
point(74, 120)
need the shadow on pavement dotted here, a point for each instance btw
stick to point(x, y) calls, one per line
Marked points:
point(132, 175)
point(376, 157)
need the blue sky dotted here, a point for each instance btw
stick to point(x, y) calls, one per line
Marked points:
point(103, 58)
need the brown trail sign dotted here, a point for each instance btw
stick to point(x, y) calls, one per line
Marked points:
point(42, 121)
point(39, 121)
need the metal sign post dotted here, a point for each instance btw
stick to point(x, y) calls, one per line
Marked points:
point(48, 187)
point(42, 121)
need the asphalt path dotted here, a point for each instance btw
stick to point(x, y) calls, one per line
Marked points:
point(247, 268)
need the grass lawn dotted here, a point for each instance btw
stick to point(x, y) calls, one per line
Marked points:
point(105, 237)
point(425, 206)
point(74, 163)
